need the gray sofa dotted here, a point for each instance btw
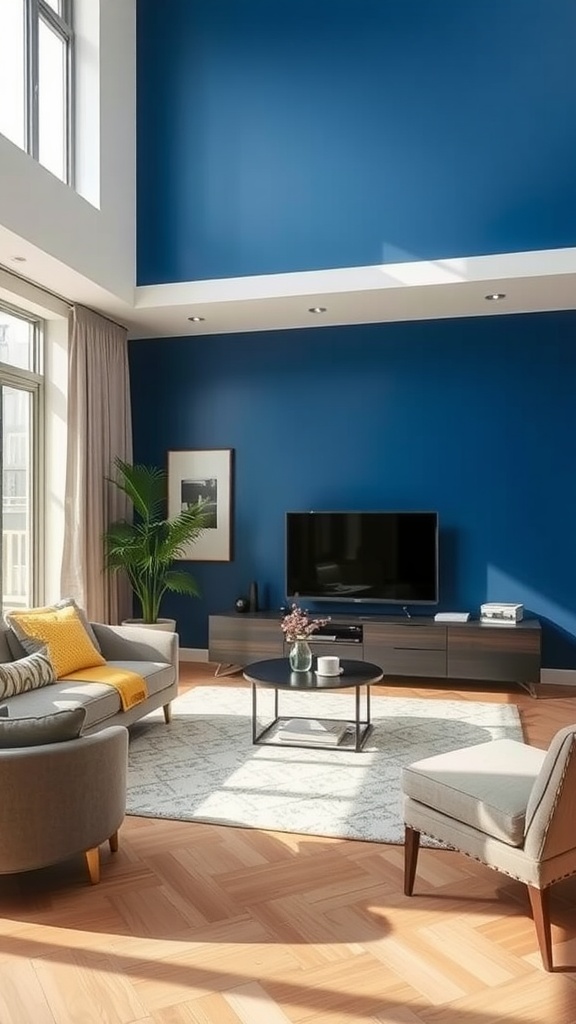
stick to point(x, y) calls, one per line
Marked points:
point(153, 654)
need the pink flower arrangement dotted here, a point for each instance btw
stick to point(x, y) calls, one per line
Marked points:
point(298, 626)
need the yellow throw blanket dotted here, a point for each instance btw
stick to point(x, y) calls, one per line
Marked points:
point(131, 687)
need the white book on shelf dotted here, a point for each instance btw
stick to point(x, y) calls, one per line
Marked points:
point(309, 741)
point(311, 730)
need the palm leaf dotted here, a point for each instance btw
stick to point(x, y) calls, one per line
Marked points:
point(181, 582)
point(147, 547)
point(144, 486)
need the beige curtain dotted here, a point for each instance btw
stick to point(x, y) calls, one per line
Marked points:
point(99, 430)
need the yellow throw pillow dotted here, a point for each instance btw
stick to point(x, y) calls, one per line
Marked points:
point(62, 632)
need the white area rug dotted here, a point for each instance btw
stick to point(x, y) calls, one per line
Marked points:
point(203, 766)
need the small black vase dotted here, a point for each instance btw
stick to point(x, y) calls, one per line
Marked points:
point(253, 597)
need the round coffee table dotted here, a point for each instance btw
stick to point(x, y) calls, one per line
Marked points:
point(277, 674)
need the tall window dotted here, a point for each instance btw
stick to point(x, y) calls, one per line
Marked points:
point(36, 51)
point(20, 408)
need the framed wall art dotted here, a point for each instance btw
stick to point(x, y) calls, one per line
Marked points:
point(206, 473)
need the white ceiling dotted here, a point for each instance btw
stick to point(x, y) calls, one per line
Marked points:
point(531, 281)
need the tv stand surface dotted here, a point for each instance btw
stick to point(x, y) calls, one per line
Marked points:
point(415, 647)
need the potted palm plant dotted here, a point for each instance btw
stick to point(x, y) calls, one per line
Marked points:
point(145, 549)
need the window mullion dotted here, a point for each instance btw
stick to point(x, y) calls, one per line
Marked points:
point(61, 25)
point(32, 133)
point(70, 109)
point(37, 535)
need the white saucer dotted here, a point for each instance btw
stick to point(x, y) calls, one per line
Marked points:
point(329, 675)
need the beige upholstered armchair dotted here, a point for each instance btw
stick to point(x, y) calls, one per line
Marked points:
point(61, 799)
point(507, 804)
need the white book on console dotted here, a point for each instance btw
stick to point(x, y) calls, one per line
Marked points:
point(452, 617)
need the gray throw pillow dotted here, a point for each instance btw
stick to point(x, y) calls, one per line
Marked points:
point(32, 732)
point(26, 674)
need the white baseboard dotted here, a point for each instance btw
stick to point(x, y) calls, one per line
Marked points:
point(558, 676)
point(193, 654)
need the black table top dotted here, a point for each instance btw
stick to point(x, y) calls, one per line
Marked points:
point(277, 672)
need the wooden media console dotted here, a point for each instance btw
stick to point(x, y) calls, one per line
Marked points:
point(415, 647)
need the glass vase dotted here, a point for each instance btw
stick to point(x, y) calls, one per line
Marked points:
point(300, 656)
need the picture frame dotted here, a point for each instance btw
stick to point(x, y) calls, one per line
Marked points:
point(204, 473)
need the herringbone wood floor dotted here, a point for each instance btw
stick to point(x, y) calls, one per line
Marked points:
point(199, 924)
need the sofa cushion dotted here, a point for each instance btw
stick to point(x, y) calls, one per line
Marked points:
point(26, 674)
point(61, 725)
point(62, 631)
point(490, 794)
point(101, 702)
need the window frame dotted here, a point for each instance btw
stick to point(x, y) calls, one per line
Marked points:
point(62, 25)
point(32, 382)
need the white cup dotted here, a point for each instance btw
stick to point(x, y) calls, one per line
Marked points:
point(328, 666)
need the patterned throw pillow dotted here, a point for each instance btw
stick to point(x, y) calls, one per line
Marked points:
point(26, 674)
point(62, 632)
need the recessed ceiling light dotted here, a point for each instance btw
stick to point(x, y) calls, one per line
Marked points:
point(19, 259)
point(317, 309)
point(495, 296)
point(196, 319)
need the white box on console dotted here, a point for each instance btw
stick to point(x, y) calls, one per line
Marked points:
point(495, 612)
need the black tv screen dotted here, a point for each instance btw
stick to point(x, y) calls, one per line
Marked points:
point(366, 557)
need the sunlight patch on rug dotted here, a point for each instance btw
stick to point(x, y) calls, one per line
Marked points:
point(203, 766)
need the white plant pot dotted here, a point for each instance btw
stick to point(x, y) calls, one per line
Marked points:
point(168, 625)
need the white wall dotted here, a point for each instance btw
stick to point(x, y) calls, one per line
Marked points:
point(96, 238)
point(90, 232)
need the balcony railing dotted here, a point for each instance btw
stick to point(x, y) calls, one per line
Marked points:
point(14, 569)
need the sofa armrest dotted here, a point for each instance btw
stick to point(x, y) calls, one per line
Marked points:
point(136, 643)
point(60, 799)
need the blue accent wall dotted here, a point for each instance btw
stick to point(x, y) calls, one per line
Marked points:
point(475, 418)
point(289, 135)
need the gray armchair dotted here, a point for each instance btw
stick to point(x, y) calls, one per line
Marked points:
point(506, 804)
point(61, 799)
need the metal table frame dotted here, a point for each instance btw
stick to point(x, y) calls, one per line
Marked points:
point(360, 727)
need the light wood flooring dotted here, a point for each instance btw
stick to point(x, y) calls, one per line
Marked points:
point(200, 924)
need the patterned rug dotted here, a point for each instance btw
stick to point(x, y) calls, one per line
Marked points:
point(203, 766)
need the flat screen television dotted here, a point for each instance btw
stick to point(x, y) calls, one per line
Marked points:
point(362, 557)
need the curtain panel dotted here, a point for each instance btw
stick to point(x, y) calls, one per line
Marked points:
point(99, 430)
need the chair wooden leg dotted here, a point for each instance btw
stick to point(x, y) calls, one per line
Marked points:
point(167, 713)
point(113, 841)
point(93, 864)
point(540, 903)
point(411, 847)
